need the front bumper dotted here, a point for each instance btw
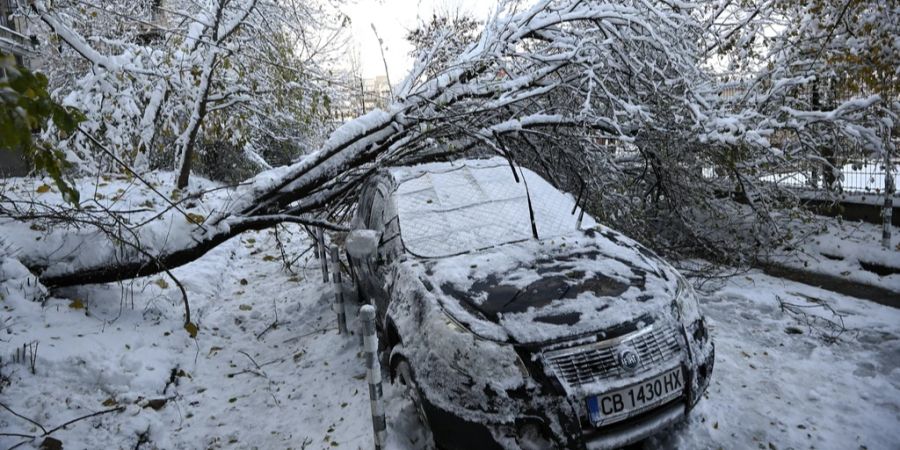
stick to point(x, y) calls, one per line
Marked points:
point(636, 428)
point(562, 425)
point(562, 419)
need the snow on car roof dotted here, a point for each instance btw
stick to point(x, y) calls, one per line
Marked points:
point(451, 208)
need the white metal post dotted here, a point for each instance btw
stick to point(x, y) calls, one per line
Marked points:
point(373, 372)
point(323, 260)
point(888, 191)
point(337, 285)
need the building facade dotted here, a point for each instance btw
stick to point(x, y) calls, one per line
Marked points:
point(14, 41)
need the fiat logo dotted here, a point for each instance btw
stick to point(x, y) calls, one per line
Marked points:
point(628, 359)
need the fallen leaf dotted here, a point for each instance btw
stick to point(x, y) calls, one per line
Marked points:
point(42, 189)
point(76, 304)
point(192, 329)
point(156, 403)
point(245, 307)
point(195, 219)
point(161, 283)
point(51, 444)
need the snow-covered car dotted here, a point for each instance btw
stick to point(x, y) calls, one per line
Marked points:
point(579, 338)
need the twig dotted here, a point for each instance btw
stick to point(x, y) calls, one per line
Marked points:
point(88, 416)
point(54, 429)
point(284, 257)
point(320, 331)
point(136, 175)
point(830, 330)
point(23, 417)
point(184, 296)
point(272, 325)
point(30, 436)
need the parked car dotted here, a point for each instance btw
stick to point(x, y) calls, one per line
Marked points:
point(579, 338)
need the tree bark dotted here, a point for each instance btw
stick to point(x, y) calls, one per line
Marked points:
point(189, 138)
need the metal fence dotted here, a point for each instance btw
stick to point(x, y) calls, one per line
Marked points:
point(865, 175)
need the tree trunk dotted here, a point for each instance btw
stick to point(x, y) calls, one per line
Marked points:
point(189, 137)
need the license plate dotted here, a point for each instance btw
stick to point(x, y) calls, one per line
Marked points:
point(619, 404)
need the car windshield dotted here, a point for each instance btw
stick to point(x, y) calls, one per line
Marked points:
point(447, 209)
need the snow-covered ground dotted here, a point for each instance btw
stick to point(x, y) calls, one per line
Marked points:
point(268, 369)
point(843, 249)
point(778, 379)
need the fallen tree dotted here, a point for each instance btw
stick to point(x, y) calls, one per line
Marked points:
point(548, 86)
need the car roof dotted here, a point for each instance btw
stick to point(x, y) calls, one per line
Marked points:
point(457, 207)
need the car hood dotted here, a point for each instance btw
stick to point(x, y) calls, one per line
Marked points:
point(552, 290)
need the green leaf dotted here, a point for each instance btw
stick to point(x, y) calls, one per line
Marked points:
point(26, 109)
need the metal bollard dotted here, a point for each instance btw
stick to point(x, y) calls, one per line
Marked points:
point(887, 212)
point(338, 290)
point(323, 261)
point(373, 371)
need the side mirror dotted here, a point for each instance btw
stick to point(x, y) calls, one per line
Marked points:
point(362, 244)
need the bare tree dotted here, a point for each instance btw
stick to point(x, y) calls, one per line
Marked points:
point(245, 72)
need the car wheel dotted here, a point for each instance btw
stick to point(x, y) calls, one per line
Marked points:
point(410, 390)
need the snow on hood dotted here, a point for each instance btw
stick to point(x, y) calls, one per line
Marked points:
point(553, 289)
point(470, 223)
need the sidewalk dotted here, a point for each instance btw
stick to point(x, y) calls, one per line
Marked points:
point(845, 257)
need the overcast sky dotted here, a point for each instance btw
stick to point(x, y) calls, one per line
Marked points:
point(392, 19)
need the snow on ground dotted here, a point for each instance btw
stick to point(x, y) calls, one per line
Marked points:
point(299, 385)
point(843, 249)
point(783, 381)
point(777, 381)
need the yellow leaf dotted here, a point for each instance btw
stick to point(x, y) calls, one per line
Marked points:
point(268, 258)
point(196, 219)
point(161, 283)
point(191, 329)
point(76, 304)
point(43, 189)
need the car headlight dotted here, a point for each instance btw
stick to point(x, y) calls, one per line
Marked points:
point(455, 326)
point(686, 306)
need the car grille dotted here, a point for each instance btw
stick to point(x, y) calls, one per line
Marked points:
point(598, 361)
